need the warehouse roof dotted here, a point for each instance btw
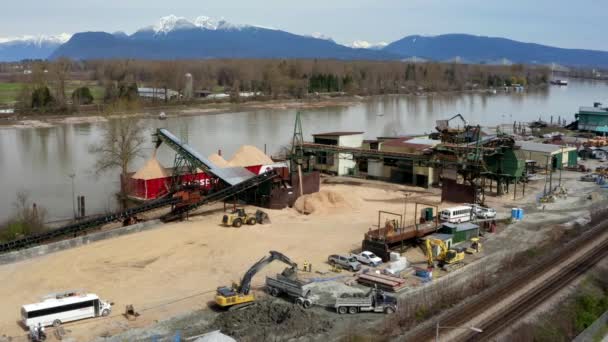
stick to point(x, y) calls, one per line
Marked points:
point(405, 143)
point(540, 147)
point(336, 134)
point(461, 226)
point(595, 110)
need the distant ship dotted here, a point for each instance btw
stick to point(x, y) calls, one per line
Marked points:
point(560, 82)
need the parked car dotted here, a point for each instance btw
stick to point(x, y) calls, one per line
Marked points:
point(346, 262)
point(368, 258)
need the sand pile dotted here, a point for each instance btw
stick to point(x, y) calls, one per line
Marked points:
point(324, 201)
point(249, 155)
point(218, 160)
point(152, 169)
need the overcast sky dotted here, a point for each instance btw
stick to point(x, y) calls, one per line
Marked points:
point(571, 24)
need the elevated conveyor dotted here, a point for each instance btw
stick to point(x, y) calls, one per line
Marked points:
point(230, 175)
point(82, 226)
point(238, 180)
point(221, 195)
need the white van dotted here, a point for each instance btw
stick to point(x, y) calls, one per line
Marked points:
point(457, 214)
point(64, 307)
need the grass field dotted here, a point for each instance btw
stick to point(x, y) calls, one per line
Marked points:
point(10, 91)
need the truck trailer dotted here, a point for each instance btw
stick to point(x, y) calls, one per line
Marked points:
point(374, 301)
point(292, 288)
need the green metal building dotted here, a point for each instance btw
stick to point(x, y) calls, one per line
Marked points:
point(460, 231)
point(592, 119)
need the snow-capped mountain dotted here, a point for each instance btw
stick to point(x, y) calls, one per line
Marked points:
point(173, 23)
point(37, 40)
point(319, 35)
point(176, 37)
point(30, 47)
point(363, 44)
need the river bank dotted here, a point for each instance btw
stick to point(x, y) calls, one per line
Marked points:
point(39, 120)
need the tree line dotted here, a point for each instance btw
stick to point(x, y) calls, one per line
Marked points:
point(46, 84)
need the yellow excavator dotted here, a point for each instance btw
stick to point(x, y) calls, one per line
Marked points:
point(448, 259)
point(239, 295)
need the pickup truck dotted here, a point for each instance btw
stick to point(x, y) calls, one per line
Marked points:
point(483, 212)
point(346, 262)
point(373, 301)
point(368, 258)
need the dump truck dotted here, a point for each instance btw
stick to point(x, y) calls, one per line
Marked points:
point(293, 288)
point(374, 301)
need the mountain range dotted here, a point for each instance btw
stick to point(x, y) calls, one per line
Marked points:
point(178, 38)
point(30, 47)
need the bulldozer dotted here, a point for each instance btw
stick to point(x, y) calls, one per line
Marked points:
point(238, 217)
point(447, 259)
point(239, 296)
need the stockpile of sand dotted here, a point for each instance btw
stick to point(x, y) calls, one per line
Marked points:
point(249, 155)
point(218, 160)
point(324, 201)
point(152, 169)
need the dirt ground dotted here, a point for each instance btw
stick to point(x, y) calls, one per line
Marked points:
point(174, 270)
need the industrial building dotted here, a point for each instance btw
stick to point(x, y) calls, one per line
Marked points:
point(157, 93)
point(460, 232)
point(406, 172)
point(557, 156)
point(593, 119)
point(341, 163)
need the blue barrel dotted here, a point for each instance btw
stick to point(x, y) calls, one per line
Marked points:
point(514, 213)
point(520, 213)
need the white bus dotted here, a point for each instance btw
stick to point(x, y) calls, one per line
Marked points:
point(457, 214)
point(64, 307)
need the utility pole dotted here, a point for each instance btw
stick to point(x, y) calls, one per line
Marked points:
point(73, 175)
point(561, 166)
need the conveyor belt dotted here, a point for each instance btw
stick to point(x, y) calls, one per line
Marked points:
point(230, 175)
point(221, 194)
point(84, 225)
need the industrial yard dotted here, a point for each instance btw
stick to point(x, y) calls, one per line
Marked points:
point(174, 269)
point(364, 226)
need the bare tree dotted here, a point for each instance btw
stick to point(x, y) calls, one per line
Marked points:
point(121, 143)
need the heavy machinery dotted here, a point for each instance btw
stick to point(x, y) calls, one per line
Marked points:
point(238, 217)
point(448, 259)
point(475, 246)
point(239, 295)
point(374, 301)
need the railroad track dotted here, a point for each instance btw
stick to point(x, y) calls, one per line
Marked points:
point(514, 311)
point(471, 309)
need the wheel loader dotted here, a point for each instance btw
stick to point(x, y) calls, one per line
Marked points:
point(238, 217)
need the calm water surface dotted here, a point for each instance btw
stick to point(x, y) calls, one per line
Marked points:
point(40, 160)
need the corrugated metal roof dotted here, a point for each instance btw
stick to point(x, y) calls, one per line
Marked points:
point(539, 147)
point(336, 134)
point(461, 226)
point(406, 143)
point(232, 175)
point(594, 110)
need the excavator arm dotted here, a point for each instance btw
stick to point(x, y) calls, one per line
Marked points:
point(445, 124)
point(245, 285)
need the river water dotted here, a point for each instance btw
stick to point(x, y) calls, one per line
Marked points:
point(40, 160)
